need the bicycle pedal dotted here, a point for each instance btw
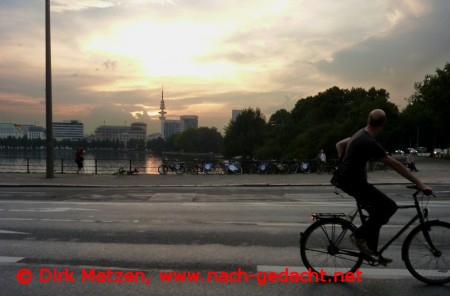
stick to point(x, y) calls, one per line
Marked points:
point(371, 261)
point(377, 260)
point(384, 261)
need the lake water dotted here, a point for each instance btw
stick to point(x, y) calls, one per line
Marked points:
point(95, 162)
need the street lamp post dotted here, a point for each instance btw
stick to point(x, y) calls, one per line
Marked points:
point(48, 93)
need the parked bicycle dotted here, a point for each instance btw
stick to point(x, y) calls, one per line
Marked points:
point(171, 166)
point(123, 171)
point(325, 244)
point(278, 167)
point(263, 168)
point(202, 167)
point(297, 166)
point(231, 167)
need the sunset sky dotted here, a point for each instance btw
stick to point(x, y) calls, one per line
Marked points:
point(111, 57)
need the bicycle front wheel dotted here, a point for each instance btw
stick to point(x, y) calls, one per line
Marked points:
point(193, 170)
point(293, 168)
point(426, 252)
point(325, 247)
point(179, 168)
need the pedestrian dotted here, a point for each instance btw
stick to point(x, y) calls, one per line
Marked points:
point(411, 163)
point(321, 160)
point(351, 177)
point(79, 159)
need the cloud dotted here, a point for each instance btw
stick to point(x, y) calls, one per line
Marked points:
point(394, 59)
point(79, 5)
point(110, 57)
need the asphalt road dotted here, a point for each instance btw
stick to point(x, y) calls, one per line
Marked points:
point(204, 229)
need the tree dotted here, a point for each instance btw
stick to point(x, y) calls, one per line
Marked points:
point(429, 107)
point(156, 145)
point(322, 120)
point(246, 134)
point(200, 140)
point(279, 132)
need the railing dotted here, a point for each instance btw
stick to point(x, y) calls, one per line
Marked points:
point(110, 166)
point(92, 166)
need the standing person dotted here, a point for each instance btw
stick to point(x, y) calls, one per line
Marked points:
point(321, 159)
point(351, 177)
point(79, 159)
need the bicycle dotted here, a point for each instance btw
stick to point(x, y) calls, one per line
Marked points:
point(230, 167)
point(173, 166)
point(278, 167)
point(123, 171)
point(326, 245)
point(202, 167)
point(297, 166)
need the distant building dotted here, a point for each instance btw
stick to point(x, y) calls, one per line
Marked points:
point(71, 130)
point(10, 130)
point(188, 121)
point(171, 127)
point(137, 131)
point(34, 132)
point(162, 107)
point(235, 113)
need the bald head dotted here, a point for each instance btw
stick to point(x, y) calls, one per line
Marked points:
point(376, 118)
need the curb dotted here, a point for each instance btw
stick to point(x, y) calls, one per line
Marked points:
point(196, 185)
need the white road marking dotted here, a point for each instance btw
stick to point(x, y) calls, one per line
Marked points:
point(12, 232)
point(69, 220)
point(47, 210)
point(384, 273)
point(6, 259)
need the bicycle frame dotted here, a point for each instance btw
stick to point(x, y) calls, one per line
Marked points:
point(421, 216)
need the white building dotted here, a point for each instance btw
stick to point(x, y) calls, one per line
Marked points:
point(137, 131)
point(72, 130)
point(34, 132)
point(10, 130)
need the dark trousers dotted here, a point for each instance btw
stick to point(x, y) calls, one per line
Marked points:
point(378, 205)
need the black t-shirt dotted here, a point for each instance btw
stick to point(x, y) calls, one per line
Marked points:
point(361, 148)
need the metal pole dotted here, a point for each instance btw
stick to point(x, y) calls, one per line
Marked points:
point(48, 92)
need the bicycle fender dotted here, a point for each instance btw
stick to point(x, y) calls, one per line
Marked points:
point(325, 219)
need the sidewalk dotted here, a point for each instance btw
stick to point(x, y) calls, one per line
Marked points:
point(431, 171)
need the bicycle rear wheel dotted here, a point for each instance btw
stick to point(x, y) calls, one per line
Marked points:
point(325, 247)
point(424, 263)
point(163, 169)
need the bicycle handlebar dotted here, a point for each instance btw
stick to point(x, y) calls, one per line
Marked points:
point(427, 193)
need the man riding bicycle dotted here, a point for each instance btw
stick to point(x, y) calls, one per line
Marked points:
point(351, 177)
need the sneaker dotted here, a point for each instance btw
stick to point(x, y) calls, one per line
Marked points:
point(383, 260)
point(361, 244)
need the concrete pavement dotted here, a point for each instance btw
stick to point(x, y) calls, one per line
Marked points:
point(431, 171)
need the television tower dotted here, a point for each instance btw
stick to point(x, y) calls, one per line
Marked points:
point(162, 106)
